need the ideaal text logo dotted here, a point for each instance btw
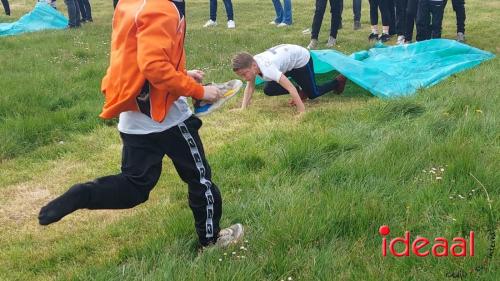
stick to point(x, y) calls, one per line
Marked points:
point(421, 246)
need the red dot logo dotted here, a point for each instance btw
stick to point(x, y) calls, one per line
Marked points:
point(384, 230)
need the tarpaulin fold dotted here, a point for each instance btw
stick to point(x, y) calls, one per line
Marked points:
point(43, 16)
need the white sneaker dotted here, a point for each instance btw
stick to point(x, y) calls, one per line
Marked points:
point(401, 40)
point(331, 42)
point(230, 235)
point(273, 23)
point(210, 23)
point(231, 24)
point(282, 25)
point(313, 44)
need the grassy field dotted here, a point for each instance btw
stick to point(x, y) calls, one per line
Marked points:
point(312, 192)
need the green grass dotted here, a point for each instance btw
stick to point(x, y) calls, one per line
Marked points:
point(312, 192)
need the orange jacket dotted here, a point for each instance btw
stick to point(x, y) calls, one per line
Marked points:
point(147, 43)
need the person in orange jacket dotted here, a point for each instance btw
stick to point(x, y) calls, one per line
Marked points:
point(146, 86)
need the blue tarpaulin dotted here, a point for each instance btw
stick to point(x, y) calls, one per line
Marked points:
point(400, 70)
point(43, 16)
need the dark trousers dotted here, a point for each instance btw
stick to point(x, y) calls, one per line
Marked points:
point(229, 9)
point(459, 8)
point(401, 16)
point(375, 6)
point(6, 7)
point(73, 13)
point(305, 78)
point(429, 19)
point(85, 9)
point(391, 7)
point(115, 2)
point(356, 9)
point(141, 168)
point(319, 12)
point(411, 15)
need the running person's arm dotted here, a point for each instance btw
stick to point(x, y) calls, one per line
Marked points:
point(247, 94)
point(285, 83)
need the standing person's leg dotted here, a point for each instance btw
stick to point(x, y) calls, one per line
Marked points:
point(373, 19)
point(391, 9)
point(423, 21)
point(88, 10)
point(401, 20)
point(140, 171)
point(287, 12)
point(374, 12)
point(184, 147)
point(229, 9)
point(230, 16)
point(82, 9)
point(411, 14)
point(335, 11)
point(437, 11)
point(115, 2)
point(279, 11)
point(356, 10)
point(459, 8)
point(319, 12)
point(401, 16)
point(341, 12)
point(73, 13)
point(6, 7)
point(385, 12)
point(213, 10)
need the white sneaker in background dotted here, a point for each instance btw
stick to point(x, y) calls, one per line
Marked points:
point(401, 40)
point(273, 23)
point(331, 42)
point(313, 44)
point(282, 24)
point(231, 24)
point(461, 37)
point(210, 23)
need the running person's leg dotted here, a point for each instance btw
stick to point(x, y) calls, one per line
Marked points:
point(141, 169)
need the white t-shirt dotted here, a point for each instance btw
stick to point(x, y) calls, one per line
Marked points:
point(281, 59)
point(137, 123)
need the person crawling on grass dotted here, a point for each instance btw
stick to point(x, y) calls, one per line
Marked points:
point(274, 66)
point(146, 85)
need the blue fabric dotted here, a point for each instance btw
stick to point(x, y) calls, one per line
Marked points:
point(396, 71)
point(43, 16)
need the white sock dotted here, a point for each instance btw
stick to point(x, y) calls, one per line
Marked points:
point(374, 29)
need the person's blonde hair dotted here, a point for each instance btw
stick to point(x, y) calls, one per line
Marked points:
point(242, 60)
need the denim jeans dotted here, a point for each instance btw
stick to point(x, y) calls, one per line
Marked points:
point(73, 13)
point(283, 15)
point(229, 9)
point(85, 9)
